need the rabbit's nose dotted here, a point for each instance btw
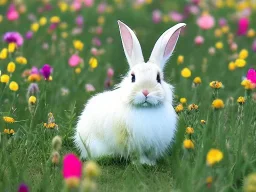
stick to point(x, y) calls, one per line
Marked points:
point(145, 92)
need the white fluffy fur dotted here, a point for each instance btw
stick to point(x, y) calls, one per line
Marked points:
point(124, 122)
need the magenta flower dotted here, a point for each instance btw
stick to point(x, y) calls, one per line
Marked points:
point(46, 71)
point(29, 35)
point(199, 40)
point(74, 60)
point(72, 170)
point(206, 21)
point(80, 21)
point(243, 25)
point(251, 75)
point(156, 16)
point(13, 36)
point(23, 188)
point(12, 14)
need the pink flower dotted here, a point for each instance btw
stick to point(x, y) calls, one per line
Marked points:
point(72, 170)
point(199, 40)
point(13, 36)
point(96, 41)
point(12, 14)
point(175, 16)
point(80, 20)
point(157, 16)
point(74, 60)
point(254, 46)
point(205, 21)
point(222, 22)
point(110, 72)
point(99, 30)
point(89, 88)
point(251, 75)
point(102, 7)
point(88, 3)
point(243, 25)
point(77, 5)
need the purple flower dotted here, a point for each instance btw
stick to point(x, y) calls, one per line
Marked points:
point(29, 35)
point(254, 46)
point(46, 71)
point(15, 37)
point(156, 16)
point(34, 70)
point(80, 21)
point(23, 188)
point(251, 75)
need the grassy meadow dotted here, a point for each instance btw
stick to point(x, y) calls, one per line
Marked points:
point(217, 152)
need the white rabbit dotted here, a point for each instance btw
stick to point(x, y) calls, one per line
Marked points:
point(137, 117)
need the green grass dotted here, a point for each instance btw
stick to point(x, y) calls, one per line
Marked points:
point(26, 156)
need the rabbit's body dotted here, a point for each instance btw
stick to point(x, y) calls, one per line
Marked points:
point(137, 118)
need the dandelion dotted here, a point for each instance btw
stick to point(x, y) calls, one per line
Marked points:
point(72, 170)
point(5, 78)
point(197, 80)
point(189, 130)
point(243, 54)
point(218, 104)
point(241, 100)
point(8, 119)
point(183, 100)
point(180, 59)
point(216, 84)
point(247, 84)
point(14, 86)
point(91, 169)
point(240, 63)
point(188, 144)
point(250, 33)
point(3, 53)
point(93, 62)
point(55, 19)
point(179, 108)
point(250, 183)
point(34, 78)
point(34, 27)
point(214, 156)
point(78, 70)
point(42, 21)
point(209, 181)
point(32, 100)
point(21, 60)
point(78, 45)
point(186, 73)
point(231, 66)
point(203, 122)
point(192, 107)
point(11, 67)
point(219, 45)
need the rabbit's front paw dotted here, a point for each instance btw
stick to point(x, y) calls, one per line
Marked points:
point(146, 161)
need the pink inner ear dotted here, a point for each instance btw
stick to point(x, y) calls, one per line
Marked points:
point(127, 39)
point(171, 43)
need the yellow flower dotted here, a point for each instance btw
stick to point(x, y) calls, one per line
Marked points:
point(218, 33)
point(219, 45)
point(6, 131)
point(192, 107)
point(32, 100)
point(64, 35)
point(186, 73)
point(250, 183)
point(12, 131)
point(251, 33)
point(243, 54)
point(188, 144)
point(50, 125)
point(21, 60)
point(209, 180)
point(231, 66)
point(217, 104)
point(216, 84)
point(247, 84)
point(183, 100)
point(42, 21)
point(3, 2)
point(1, 18)
point(197, 80)
point(101, 20)
point(240, 62)
point(78, 45)
point(180, 59)
point(214, 156)
point(5, 78)
point(225, 29)
point(34, 27)
point(3, 53)
point(203, 122)
point(63, 25)
point(91, 169)
point(63, 6)
point(93, 62)
point(179, 108)
point(11, 47)
point(34, 77)
point(189, 130)
point(14, 86)
point(241, 100)
point(11, 67)
point(8, 119)
point(78, 70)
point(55, 19)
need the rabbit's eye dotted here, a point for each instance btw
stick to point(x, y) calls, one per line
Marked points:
point(133, 78)
point(158, 78)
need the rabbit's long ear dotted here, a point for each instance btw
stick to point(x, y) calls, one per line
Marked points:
point(165, 45)
point(131, 45)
